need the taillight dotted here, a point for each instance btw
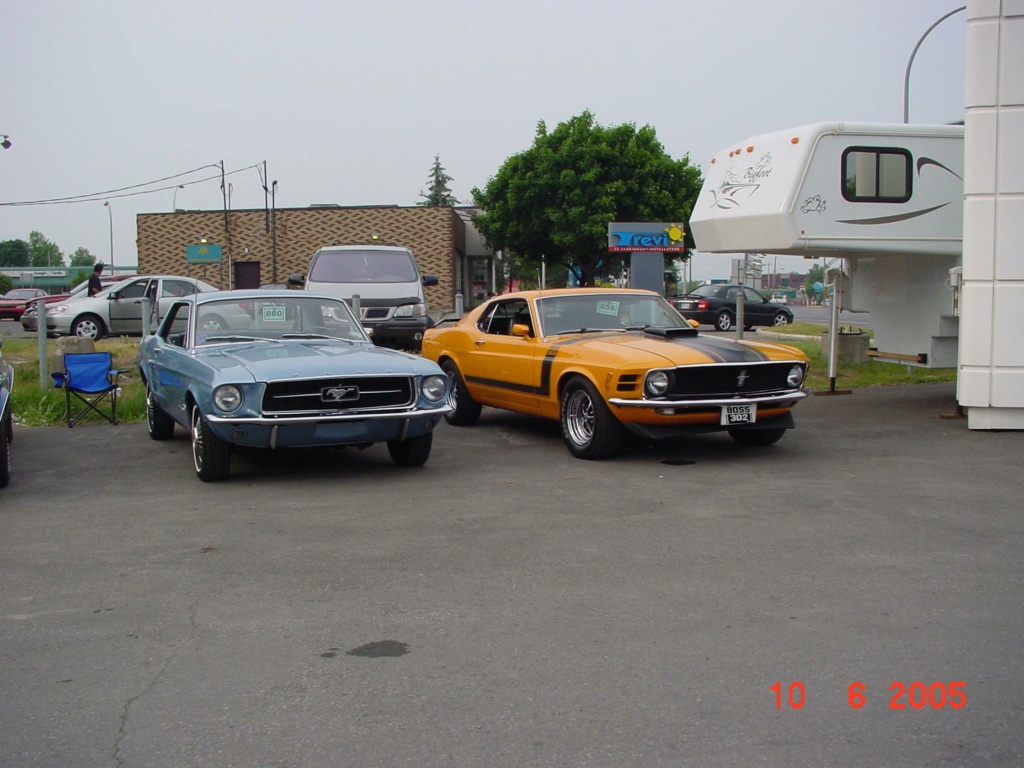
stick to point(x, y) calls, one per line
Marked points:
point(702, 304)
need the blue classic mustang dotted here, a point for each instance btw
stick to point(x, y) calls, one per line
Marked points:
point(282, 368)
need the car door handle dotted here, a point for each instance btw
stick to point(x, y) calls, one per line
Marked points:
point(478, 342)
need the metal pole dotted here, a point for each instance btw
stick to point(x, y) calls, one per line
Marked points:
point(273, 232)
point(833, 334)
point(44, 373)
point(910, 63)
point(741, 299)
point(110, 216)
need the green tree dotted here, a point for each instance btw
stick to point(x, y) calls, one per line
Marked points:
point(44, 253)
point(82, 258)
point(5, 284)
point(555, 200)
point(14, 253)
point(438, 192)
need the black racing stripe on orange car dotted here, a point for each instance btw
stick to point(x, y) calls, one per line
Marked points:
point(545, 377)
point(722, 351)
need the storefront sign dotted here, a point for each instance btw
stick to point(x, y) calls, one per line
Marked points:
point(634, 237)
point(204, 253)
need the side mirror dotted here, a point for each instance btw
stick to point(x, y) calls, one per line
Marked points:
point(521, 329)
point(429, 280)
point(297, 280)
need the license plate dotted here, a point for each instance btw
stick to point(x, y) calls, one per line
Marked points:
point(739, 414)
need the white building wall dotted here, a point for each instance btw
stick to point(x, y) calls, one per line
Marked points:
point(990, 385)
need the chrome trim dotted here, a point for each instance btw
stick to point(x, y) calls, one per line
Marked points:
point(442, 409)
point(760, 400)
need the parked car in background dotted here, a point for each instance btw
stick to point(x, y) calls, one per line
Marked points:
point(30, 317)
point(292, 369)
point(716, 305)
point(6, 418)
point(117, 309)
point(14, 302)
point(607, 361)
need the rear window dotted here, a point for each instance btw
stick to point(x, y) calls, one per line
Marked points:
point(354, 266)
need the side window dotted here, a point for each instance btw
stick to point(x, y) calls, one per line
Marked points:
point(176, 288)
point(134, 290)
point(753, 295)
point(175, 325)
point(877, 175)
point(504, 315)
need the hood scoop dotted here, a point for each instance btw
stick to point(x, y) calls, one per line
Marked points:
point(670, 333)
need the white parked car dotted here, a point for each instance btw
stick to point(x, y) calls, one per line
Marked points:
point(117, 310)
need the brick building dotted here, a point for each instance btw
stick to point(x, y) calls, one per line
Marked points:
point(266, 246)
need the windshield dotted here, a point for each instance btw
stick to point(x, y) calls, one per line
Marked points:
point(355, 266)
point(606, 311)
point(21, 293)
point(276, 317)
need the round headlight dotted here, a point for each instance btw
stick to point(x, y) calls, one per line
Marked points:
point(434, 387)
point(795, 377)
point(227, 398)
point(656, 383)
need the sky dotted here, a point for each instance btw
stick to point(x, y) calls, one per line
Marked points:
point(349, 102)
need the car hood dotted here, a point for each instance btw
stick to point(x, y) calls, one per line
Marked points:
point(298, 359)
point(637, 347)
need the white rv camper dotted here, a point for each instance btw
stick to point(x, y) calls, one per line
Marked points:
point(888, 199)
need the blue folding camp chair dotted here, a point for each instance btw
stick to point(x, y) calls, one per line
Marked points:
point(91, 378)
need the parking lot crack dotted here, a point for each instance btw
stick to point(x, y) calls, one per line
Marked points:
point(129, 705)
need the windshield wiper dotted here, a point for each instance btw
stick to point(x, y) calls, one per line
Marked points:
point(215, 339)
point(308, 336)
point(587, 330)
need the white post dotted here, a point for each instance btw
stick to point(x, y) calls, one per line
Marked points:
point(44, 372)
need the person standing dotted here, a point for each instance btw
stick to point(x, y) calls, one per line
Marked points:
point(95, 284)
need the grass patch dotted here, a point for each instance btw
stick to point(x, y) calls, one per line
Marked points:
point(872, 374)
point(38, 407)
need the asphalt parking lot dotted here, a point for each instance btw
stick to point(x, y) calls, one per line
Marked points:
point(507, 605)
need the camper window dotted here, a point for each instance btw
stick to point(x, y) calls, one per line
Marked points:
point(877, 175)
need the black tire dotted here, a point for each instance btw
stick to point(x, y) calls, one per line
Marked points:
point(589, 428)
point(6, 436)
point(412, 452)
point(212, 324)
point(781, 318)
point(465, 410)
point(160, 425)
point(756, 438)
point(724, 321)
point(211, 456)
point(88, 327)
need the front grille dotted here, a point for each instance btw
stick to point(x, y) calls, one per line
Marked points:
point(307, 396)
point(376, 313)
point(743, 380)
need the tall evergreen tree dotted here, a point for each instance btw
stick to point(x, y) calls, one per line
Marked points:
point(438, 192)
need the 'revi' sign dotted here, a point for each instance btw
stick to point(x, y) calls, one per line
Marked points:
point(633, 237)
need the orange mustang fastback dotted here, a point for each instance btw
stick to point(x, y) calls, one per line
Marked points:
point(606, 360)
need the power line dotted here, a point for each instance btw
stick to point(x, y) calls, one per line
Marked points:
point(93, 197)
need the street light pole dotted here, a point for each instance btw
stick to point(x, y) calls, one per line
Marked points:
point(910, 63)
point(174, 200)
point(110, 216)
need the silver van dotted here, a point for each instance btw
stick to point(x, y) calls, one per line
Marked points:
point(386, 280)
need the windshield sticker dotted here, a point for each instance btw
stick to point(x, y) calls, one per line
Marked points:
point(273, 313)
point(608, 308)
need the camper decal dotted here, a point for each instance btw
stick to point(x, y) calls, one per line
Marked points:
point(761, 170)
point(735, 188)
point(813, 205)
point(923, 161)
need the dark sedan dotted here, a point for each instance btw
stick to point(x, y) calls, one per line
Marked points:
point(716, 305)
